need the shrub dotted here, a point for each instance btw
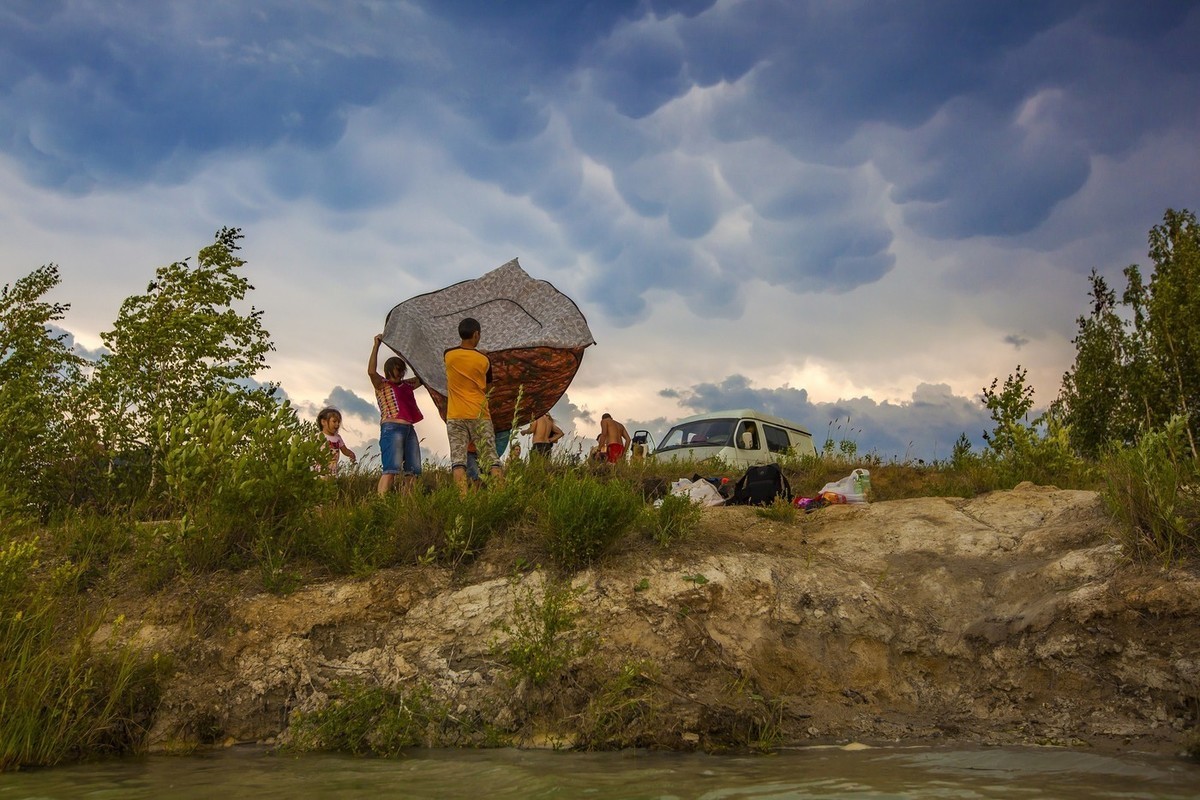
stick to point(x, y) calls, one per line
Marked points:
point(469, 521)
point(445, 526)
point(781, 510)
point(1152, 490)
point(622, 709)
point(94, 542)
point(246, 486)
point(355, 536)
point(583, 516)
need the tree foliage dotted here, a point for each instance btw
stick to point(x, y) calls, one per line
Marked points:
point(184, 340)
point(39, 377)
point(1136, 370)
point(1097, 391)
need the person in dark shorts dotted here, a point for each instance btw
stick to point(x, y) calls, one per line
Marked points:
point(545, 433)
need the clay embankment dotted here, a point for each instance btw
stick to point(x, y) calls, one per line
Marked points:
point(1009, 618)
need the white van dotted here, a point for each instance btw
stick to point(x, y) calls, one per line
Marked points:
point(742, 437)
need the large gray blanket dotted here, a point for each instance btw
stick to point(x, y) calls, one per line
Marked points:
point(534, 335)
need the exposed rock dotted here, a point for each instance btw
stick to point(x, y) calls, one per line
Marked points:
point(1008, 618)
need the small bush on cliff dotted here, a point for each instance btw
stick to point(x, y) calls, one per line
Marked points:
point(622, 712)
point(675, 518)
point(356, 537)
point(245, 485)
point(541, 631)
point(94, 543)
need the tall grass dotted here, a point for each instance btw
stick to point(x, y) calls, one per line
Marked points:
point(60, 698)
point(1153, 490)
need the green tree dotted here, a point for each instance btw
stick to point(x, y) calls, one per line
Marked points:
point(1037, 450)
point(1094, 391)
point(39, 380)
point(182, 341)
point(1134, 372)
point(1009, 408)
point(1173, 316)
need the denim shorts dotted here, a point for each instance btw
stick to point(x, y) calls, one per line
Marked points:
point(398, 441)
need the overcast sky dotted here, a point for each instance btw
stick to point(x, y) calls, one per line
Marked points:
point(819, 209)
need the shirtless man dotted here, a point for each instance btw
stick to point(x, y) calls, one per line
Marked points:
point(613, 438)
point(545, 433)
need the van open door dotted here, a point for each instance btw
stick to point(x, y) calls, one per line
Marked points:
point(641, 445)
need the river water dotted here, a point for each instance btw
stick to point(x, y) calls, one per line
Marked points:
point(1024, 773)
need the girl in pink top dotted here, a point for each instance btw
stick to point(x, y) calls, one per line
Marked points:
point(398, 412)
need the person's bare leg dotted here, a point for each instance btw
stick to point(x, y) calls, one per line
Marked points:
point(460, 477)
point(385, 483)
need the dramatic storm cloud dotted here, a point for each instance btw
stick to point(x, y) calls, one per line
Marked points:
point(823, 210)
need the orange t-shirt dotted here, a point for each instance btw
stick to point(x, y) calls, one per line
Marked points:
point(468, 373)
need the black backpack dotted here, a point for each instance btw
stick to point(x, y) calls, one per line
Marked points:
point(761, 485)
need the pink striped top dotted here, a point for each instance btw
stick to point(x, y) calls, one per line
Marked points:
point(397, 402)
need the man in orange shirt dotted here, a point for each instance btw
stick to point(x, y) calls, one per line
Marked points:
point(468, 420)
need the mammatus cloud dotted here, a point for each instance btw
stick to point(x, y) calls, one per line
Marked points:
point(678, 146)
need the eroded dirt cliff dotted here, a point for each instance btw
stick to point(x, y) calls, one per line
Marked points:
point(1008, 618)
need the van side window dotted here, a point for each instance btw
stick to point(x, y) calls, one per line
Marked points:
point(747, 436)
point(777, 439)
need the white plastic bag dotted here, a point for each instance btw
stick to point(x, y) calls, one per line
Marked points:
point(853, 487)
point(700, 491)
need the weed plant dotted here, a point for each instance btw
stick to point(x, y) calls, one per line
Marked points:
point(540, 631)
point(675, 518)
point(781, 510)
point(757, 721)
point(622, 708)
point(366, 719)
point(94, 543)
point(355, 537)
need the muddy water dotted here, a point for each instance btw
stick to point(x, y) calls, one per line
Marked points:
point(810, 773)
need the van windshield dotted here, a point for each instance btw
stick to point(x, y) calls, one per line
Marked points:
point(701, 433)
